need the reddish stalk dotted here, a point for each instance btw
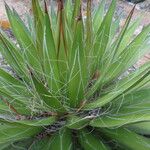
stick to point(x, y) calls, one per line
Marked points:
point(81, 106)
point(10, 106)
point(61, 27)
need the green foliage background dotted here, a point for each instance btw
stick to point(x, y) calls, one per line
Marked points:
point(67, 90)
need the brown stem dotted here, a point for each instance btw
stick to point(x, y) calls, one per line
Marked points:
point(96, 75)
point(81, 106)
point(10, 106)
point(45, 4)
point(61, 27)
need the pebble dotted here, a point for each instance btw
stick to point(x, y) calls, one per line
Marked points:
point(144, 5)
point(4, 65)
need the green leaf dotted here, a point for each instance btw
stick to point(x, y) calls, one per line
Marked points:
point(61, 140)
point(37, 123)
point(113, 49)
point(53, 15)
point(75, 122)
point(128, 36)
point(128, 139)
point(19, 145)
point(122, 86)
point(68, 11)
point(114, 29)
point(128, 109)
point(98, 16)
point(30, 25)
point(13, 56)
point(77, 66)
point(10, 79)
point(76, 12)
point(46, 96)
point(129, 56)
point(4, 146)
point(12, 88)
point(14, 107)
point(121, 35)
point(39, 26)
point(140, 128)
point(89, 27)
point(102, 37)
point(120, 120)
point(25, 41)
point(90, 142)
point(43, 143)
point(50, 57)
point(4, 108)
point(61, 42)
point(15, 131)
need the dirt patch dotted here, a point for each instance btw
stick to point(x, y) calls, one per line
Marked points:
point(21, 6)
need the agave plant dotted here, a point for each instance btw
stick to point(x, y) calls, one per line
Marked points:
point(67, 89)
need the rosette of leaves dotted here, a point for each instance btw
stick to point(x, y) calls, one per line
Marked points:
point(67, 89)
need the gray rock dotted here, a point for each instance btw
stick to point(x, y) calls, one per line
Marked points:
point(135, 1)
point(145, 5)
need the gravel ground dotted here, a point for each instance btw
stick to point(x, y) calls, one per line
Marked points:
point(20, 5)
point(143, 10)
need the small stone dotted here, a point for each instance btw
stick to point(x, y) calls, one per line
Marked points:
point(145, 5)
point(135, 1)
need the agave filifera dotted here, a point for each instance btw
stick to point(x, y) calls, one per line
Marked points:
point(67, 90)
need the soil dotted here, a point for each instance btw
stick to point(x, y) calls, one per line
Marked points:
point(20, 6)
